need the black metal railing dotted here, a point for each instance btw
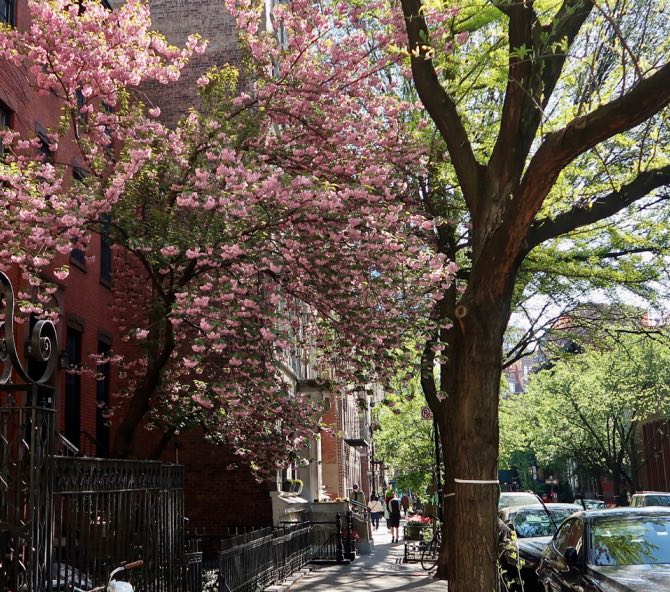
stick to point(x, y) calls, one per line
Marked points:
point(327, 543)
point(64, 447)
point(292, 550)
point(193, 566)
point(110, 511)
point(255, 560)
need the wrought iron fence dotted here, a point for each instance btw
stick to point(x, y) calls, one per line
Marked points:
point(65, 520)
point(110, 511)
point(327, 542)
point(26, 478)
point(193, 566)
point(252, 561)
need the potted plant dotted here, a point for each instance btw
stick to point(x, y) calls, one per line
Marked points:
point(292, 486)
point(415, 527)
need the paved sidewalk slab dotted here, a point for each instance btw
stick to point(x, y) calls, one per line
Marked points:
point(381, 571)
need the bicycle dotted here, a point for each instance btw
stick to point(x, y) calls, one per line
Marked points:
point(431, 550)
point(115, 586)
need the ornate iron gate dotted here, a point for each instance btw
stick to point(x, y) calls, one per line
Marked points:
point(68, 520)
point(26, 452)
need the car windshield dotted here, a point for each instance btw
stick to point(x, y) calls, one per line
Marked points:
point(638, 541)
point(519, 499)
point(657, 500)
point(590, 504)
point(536, 523)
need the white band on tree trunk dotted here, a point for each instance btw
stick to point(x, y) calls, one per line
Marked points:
point(478, 481)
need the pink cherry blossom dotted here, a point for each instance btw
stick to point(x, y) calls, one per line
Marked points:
point(275, 227)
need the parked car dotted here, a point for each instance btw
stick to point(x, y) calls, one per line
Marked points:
point(533, 526)
point(650, 498)
point(622, 549)
point(590, 504)
point(517, 498)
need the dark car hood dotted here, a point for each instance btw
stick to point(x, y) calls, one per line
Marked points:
point(634, 578)
point(533, 546)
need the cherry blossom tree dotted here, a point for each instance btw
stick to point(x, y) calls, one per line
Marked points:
point(276, 216)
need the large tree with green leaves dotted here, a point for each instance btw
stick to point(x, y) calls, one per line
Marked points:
point(405, 440)
point(587, 407)
point(549, 154)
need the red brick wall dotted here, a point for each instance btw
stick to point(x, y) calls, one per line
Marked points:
point(215, 497)
point(654, 472)
point(84, 300)
point(178, 19)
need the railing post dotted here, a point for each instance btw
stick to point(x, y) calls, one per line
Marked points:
point(350, 546)
point(339, 551)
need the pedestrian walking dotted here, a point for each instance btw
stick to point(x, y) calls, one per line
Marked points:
point(388, 494)
point(394, 517)
point(358, 496)
point(376, 510)
point(404, 503)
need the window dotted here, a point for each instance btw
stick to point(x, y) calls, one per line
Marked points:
point(44, 149)
point(73, 388)
point(7, 12)
point(102, 407)
point(5, 121)
point(569, 535)
point(105, 250)
point(77, 256)
point(562, 537)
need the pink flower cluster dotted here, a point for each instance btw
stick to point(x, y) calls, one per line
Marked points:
point(274, 230)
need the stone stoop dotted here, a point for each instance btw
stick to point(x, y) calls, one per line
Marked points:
point(289, 582)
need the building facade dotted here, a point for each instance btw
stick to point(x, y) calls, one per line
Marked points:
point(216, 496)
point(85, 296)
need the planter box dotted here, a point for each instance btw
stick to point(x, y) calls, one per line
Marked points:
point(414, 532)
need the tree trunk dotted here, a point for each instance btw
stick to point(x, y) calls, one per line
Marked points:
point(471, 453)
point(125, 435)
point(634, 461)
point(616, 486)
point(162, 345)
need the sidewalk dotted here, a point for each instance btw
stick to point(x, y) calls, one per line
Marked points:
point(381, 571)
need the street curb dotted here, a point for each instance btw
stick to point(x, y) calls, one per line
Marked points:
point(289, 582)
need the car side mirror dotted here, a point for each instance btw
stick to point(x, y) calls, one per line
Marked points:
point(571, 556)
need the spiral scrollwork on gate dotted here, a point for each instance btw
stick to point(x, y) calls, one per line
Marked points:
point(43, 342)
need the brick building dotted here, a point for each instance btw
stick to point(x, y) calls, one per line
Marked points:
point(85, 296)
point(215, 497)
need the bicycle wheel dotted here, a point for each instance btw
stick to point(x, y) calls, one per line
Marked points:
point(430, 554)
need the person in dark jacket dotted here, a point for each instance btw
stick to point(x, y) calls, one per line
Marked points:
point(404, 503)
point(394, 517)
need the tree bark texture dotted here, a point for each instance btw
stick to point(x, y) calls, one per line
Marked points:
point(470, 426)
